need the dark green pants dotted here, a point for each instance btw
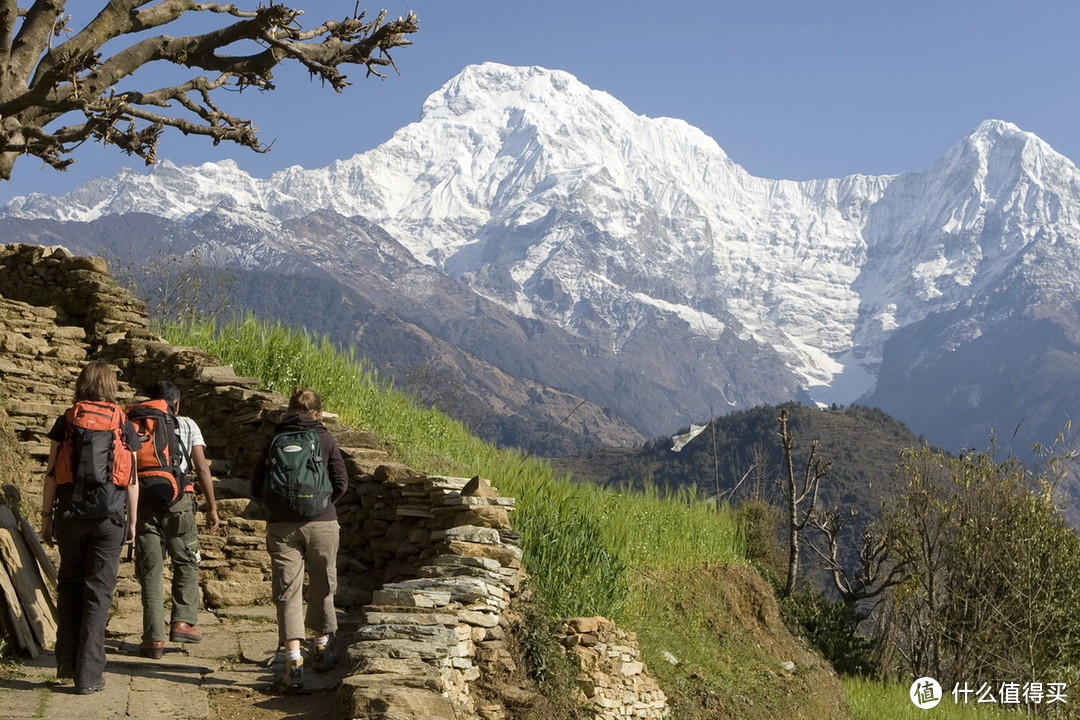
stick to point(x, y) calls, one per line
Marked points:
point(171, 533)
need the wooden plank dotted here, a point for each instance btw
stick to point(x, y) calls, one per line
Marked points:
point(24, 637)
point(45, 563)
point(23, 573)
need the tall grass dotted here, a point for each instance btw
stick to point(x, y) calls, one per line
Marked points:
point(876, 700)
point(582, 543)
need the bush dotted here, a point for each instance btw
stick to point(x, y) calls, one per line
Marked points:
point(760, 524)
point(832, 627)
point(993, 588)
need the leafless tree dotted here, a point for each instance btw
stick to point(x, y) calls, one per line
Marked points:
point(60, 86)
point(800, 494)
point(875, 571)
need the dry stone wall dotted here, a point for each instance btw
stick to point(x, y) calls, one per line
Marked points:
point(613, 679)
point(428, 563)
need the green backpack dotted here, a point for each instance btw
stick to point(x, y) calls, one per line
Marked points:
point(296, 485)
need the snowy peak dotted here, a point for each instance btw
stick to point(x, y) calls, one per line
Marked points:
point(166, 190)
point(560, 203)
point(491, 86)
point(997, 156)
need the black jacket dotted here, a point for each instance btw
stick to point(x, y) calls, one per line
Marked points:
point(331, 455)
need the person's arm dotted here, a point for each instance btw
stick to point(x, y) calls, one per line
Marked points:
point(132, 502)
point(258, 473)
point(339, 475)
point(48, 497)
point(206, 486)
point(133, 442)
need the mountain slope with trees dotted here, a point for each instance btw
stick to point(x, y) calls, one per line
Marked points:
point(738, 455)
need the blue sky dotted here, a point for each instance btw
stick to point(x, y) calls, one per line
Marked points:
point(790, 89)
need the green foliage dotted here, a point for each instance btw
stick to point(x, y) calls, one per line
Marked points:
point(583, 575)
point(832, 627)
point(760, 524)
point(994, 572)
point(603, 534)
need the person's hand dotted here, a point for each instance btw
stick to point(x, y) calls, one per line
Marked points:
point(48, 530)
point(129, 536)
point(212, 521)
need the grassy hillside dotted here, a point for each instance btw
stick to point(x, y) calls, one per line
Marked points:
point(663, 564)
point(602, 534)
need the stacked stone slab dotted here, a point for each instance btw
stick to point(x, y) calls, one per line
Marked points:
point(427, 634)
point(80, 289)
point(40, 358)
point(613, 679)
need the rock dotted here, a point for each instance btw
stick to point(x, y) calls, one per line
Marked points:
point(479, 487)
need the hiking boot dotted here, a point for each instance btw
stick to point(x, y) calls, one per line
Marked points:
point(182, 632)
point(294, 674)
point(325, 657)
point(91, 688)
point(152, 648)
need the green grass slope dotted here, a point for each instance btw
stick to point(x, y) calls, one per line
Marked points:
point(670, 568)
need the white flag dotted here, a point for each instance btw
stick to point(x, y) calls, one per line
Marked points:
point(679, 441)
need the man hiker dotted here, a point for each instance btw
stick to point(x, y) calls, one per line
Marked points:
point(166, 521)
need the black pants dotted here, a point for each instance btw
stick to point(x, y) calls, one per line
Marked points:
point(89, 561)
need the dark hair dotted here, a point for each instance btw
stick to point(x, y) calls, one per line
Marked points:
point(307, 401)
point(97, 381)
point(167, 391)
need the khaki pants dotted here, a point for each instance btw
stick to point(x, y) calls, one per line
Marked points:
point(172, 532)
point(297, 548)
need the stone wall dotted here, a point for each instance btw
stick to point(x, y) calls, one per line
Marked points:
point(429, 563)
point(612, 677)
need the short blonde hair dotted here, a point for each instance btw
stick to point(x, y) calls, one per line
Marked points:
point(97, 381)
point(307, 401)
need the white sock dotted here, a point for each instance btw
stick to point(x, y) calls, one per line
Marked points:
point(322, 641)
point(293, 655)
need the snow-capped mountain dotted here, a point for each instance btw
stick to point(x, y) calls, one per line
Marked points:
point(655, 255)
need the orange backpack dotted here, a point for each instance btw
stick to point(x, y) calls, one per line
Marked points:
point(161, 483)
point(93, 464)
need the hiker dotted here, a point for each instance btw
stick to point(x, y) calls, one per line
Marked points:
point(88, 508)
point(302, 533)
point(173, 446)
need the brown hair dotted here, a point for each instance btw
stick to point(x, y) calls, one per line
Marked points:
point(97, 381)
point(307, 401)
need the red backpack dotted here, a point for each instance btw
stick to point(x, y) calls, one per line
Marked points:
point(93, 464)
point(161, 483)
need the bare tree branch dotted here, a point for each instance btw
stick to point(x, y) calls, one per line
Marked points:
point(40, 84)
point(875, 572)
point(32, 38)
